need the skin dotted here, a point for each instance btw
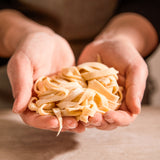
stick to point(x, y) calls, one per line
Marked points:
point(36, 51)
point(129, 69)
point(38, 54)
point(122, 45)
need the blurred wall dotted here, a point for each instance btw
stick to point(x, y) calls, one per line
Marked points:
point(154, 67)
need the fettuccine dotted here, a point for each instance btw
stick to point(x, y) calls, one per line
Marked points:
point(77, 91)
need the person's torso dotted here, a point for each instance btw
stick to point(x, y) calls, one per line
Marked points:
point(73, 19)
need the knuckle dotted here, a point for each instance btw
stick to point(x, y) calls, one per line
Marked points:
point(95, 120)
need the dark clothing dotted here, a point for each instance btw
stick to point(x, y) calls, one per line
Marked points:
point(78, 23)
point(149, 9)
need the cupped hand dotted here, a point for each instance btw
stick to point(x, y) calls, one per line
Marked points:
point(123, 56)
point(38, 54)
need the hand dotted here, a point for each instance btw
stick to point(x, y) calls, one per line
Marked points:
point(38, 54)
point(123, 56)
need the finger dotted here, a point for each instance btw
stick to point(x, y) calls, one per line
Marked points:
point(69, 123)
point(135, 85)
point(79, 129)
point(119, 117)
point(56, 129)
point(43, 122)
point(96, 120)
point(88, 55)
point(20, 75)
point(106, 126)
point(121, 80)
point(88, 125)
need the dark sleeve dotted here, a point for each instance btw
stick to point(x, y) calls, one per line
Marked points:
point(4, 4)
point(7, 4)
point(3, 61)
point(148, 9)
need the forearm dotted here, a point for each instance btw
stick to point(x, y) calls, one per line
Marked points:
point(13, 28)
point(134, 28)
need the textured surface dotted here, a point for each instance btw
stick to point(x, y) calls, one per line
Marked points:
point(140, 141)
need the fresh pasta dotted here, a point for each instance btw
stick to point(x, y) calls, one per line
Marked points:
point(77, 91)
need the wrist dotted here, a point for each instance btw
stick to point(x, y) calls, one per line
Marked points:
point(133, 28)
point(115, 39)
point(14, 30)
point(13, 37)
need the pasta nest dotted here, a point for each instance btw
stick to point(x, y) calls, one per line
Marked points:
point(77, 91)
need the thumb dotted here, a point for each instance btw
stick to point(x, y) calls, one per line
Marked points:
point(20, 72)
point(135, 85)
point(89, 54)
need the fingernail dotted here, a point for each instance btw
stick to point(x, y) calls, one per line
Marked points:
point(15, 110)
point(110, 120)
point(71, 124)
point(138, 104)
point(72, 127)
point(86, 124)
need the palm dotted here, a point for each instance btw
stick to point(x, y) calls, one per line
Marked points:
point(47, 54)
point(132, 74)
point(38, 55)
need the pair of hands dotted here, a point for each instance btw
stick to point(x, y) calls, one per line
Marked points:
point(41, 53)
